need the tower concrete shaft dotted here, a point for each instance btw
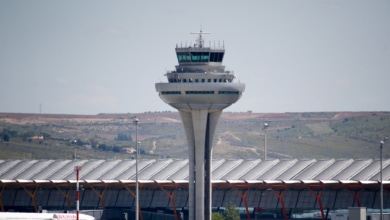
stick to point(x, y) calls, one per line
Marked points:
point(200, 126)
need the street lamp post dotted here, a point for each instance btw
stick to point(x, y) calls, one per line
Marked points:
point(266, 125)
point(136, 122)
point(77, 169)
point(381, 177)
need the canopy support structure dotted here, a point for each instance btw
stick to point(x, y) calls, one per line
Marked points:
point(100, 195)
point(280, 196)
point(32, 195)
point(134, 195)
point(1, 199)
point(171, 196)
point(356, 196)
point(243, 197)
point(318, 198)
point(66, 195)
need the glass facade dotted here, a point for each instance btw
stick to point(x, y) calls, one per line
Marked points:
point(171, 92)
point(199, 92)
point(200, 57)
point(228, 92)
point(183, 57)
point(216, 57)
point(196, 80)
point(262, 204)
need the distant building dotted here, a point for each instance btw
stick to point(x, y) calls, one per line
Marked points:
point(36, 137)
point(130, 150)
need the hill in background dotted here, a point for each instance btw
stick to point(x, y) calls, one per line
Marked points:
point(315, 135)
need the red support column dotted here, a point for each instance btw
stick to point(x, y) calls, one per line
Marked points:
point(32, 195)
point(318, 198)
point(243, 197)
point(171, 197)
point(1, 199)
point(100, 195)
point(355, 196)
point(66, 195)
point(280, 197)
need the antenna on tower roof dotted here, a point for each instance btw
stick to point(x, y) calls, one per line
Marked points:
point(200, 41)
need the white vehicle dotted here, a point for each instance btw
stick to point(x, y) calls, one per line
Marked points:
point(42, 216)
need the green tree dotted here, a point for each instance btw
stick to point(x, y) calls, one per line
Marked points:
point(45, 135)
point(94, 142)
point(103, 147)
point(117, 149)
point(123, 137)
point(217, 216)
point(5, 137)
point(231, 212)
point(28, 134)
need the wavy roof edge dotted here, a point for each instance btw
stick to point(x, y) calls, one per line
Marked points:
point(287, 171)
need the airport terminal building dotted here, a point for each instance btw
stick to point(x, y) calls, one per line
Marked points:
point(278, 189)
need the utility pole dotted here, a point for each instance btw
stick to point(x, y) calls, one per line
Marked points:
point(381, 177)
point(266, 125)
point(77, 169)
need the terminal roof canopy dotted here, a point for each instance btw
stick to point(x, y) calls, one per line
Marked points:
point(364, 171)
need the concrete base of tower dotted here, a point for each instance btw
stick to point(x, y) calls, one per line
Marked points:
point(200, 126)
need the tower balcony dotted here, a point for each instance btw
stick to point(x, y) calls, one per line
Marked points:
point(200, 96)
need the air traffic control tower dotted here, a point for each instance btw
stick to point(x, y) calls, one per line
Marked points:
point(200, 89)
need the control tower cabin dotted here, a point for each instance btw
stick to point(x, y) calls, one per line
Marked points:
point(200, 89)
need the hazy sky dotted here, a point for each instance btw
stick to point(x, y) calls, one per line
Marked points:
point(90, 56)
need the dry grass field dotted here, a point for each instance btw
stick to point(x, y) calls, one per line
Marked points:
point(239, 135)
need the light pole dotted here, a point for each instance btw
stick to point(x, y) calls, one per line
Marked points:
point(77, 169)
point(381, 177)
point(266, 125)
point(136, 122)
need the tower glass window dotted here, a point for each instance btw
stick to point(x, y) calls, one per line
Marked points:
point(200, 56)
point(216, 57)
point(183, 57)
